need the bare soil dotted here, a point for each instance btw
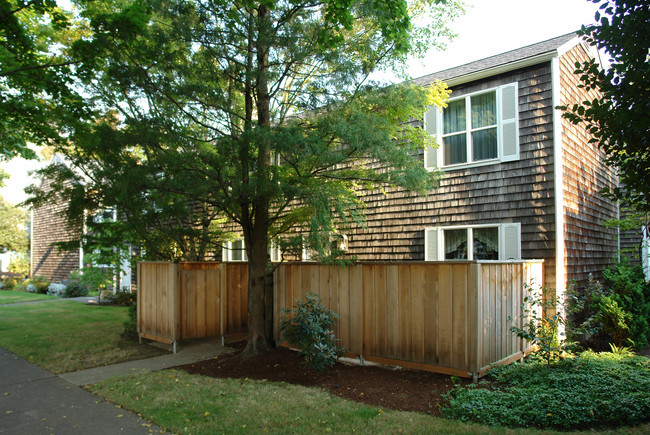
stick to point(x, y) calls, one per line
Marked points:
point(384, 387)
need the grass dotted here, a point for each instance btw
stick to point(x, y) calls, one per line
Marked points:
point(195, 404)
point(12, 297)
point(68, 336)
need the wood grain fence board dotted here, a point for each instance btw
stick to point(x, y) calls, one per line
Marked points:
point(356, 309)
point(388, 321)
point(416, 306)
point(458, 324)
point(431, 316)
point(445, 315)
point(368, 280)
point(344, 292)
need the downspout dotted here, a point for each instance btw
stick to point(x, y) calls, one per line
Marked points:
point(558, 158)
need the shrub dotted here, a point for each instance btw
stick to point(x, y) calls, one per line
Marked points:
point(56, 289)
point(123, 298)
point(617, 312)
point(9, 283)
point(130, 331)
point(75, 289)
point(590, 390)
point(309, 329)
point(540, 327)
point(37, 284)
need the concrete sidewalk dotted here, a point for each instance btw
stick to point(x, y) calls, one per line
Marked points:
point(34, 401)
point(188, 352)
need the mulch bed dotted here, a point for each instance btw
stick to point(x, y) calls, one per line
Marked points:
point(384, 387)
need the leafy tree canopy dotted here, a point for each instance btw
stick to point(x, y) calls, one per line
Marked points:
point(619, 119)
point(257, 112)
point(13, 232)
point(38, 103)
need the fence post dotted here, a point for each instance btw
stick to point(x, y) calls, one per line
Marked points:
point(476, 321)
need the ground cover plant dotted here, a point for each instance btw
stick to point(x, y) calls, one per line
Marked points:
point(12, 297)
point(592, 390)
point(66, 336)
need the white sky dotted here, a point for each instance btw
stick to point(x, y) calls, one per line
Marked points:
point(488, 27)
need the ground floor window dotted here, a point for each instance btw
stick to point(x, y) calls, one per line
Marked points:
point(479, 242)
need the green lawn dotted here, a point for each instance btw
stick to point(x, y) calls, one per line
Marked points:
point(66, 336)
point(12, 297)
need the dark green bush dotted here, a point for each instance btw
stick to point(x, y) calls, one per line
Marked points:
point(75, 289)
point(617, 312)
point(309, 330)
point(124, 298)
point(130, 331)
point(593, 390)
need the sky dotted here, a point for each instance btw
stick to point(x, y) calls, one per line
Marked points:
point(488, 27)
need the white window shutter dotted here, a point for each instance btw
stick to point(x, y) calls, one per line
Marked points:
point(510, 243)
point(432, 244)
point(431, 126)
point(225, 251)
point(509, 122)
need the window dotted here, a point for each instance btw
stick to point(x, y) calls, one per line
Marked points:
point(477, 128)
point(481, 242)
point(234, 251)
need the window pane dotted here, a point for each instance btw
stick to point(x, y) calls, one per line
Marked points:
point(455, 244)
point(484, 144)
point(486, 243)
point(484, 110)
point(453, 117)
point(455, 149)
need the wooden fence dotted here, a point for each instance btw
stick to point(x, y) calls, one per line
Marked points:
point(178, 301)
point(447, 317)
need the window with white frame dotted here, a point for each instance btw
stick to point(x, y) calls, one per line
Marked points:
point(234, 250)
point(479, 242)
point(477, 128)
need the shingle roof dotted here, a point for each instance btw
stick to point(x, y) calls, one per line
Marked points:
point(499, 60)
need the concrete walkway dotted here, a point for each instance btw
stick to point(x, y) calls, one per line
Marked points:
point(34, 401)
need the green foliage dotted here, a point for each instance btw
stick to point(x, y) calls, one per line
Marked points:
point(125, 298)
point(19, 263)
point(9, 283)
point(540, 323)
point(13, 232)
point(592, 390)
point(38, 101)
point(39, 283)
point(617, 312)
point(618, 117)
point(130, 331)
point(309, 329)
point(75, 287)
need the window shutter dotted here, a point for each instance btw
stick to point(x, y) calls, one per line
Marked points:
point(509, 120)
point(510, 248)
point(432, 244)
point(431, 126)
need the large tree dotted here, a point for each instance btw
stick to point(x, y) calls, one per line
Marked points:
point(260, 111)
point(619, 118)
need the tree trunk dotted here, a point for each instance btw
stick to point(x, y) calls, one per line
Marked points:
point(259, 339)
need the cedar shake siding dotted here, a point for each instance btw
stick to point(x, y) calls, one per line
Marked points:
point(49, 226)
point(589, 246)
point(520, 191)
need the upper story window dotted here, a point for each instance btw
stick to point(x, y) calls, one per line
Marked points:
point(475, 129)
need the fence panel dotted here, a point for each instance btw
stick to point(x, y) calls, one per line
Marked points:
point(446, 317)
point(191, 300)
